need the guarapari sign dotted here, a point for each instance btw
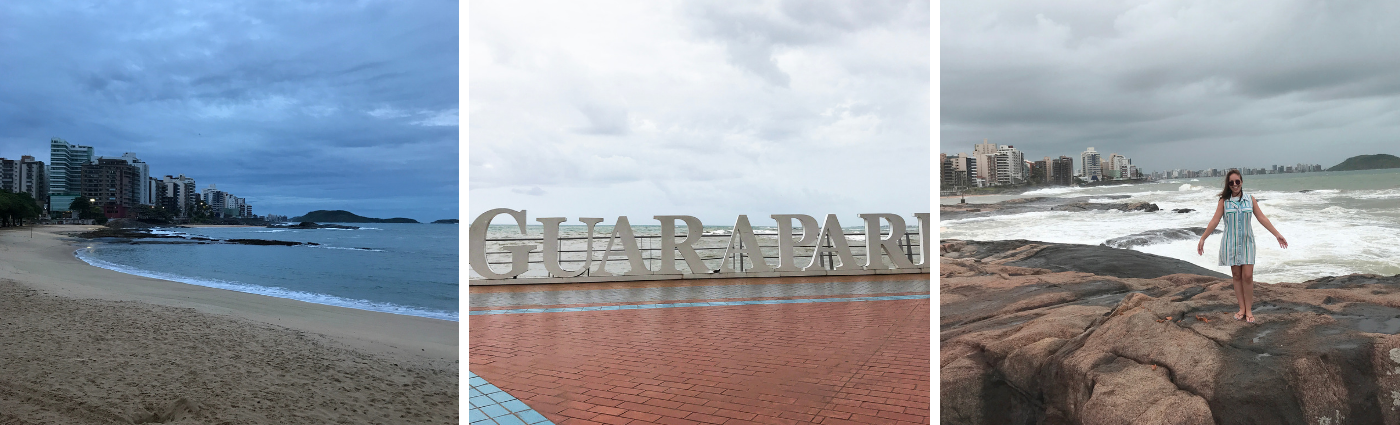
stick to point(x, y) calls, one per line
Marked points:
point(802, 243)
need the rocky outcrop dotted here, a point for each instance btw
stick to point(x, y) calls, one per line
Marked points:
point(1182, 210)
point(1070, 341)
point(1153, 237)
point(1089, 206)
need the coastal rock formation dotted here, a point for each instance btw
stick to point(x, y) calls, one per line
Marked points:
point(1152, 237)
point(1070, 340)
point(1182, 210)
point(1086, 206)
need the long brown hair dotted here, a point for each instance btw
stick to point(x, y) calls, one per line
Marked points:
point(1225, 194)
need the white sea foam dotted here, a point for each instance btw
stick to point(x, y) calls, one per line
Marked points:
point(271, 231)
point(345, 248)
point(85, 254)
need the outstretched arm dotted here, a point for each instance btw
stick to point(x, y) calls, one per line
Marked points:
point(1259, 214)
point(1210, 228)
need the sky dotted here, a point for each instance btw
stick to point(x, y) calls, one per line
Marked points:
point(295, 106)
point(704, 108)
point(1174, 83)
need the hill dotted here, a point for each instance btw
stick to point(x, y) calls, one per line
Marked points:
point(446, 221)
point(342, 216)
point(1367, 162)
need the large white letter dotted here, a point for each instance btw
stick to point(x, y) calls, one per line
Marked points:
point(519, 254)
point(874, 244)
point(669, 244)
point(785, 242)
point(743, 235)
point(551, 246)
point(831, 231)
point(623, 231)
point(925, 232)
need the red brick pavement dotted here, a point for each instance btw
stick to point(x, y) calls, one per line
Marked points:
point(830, 363)
point(813, 297)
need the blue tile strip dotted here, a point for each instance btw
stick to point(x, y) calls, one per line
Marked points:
point(493, 406)
point(704, 304)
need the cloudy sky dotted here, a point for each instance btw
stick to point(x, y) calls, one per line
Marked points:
point(1174, 83)
point(296, 106)
point(706, 108)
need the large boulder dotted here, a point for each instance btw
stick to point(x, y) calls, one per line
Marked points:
point(1059, 343)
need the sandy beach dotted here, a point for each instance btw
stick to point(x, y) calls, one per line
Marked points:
point(80, 344)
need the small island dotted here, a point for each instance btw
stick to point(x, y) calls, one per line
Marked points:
point(342, 216)
point(1368, 162)
point(446, 221)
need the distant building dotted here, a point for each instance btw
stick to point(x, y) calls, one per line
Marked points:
point(144, 196)
point(66, 162)
point(26, 175)
point(1063, 171)
point(1090, 165)
point(1010, 164)
point(982, 156)
point(111, 183)
point(178, 194)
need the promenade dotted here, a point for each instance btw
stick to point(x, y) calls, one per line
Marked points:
point(822, 349)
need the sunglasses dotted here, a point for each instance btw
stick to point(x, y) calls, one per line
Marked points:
point(1235, 182)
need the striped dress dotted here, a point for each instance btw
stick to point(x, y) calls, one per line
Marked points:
point(1237, 246)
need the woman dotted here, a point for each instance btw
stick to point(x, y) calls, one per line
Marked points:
point(1237, 247)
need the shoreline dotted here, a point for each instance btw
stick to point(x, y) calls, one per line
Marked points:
point(43, 269)
point(47, 263)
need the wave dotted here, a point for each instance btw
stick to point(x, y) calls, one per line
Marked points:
point(271, 231)
point(85, 254)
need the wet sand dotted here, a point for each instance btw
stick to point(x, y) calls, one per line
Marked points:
point(81, 344)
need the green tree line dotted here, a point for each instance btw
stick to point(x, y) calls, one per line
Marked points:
point(18, 208)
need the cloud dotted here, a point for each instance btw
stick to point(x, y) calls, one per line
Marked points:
point(286, 104)
point(716, 108)
point(1164, 81)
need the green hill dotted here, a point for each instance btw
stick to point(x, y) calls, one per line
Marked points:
point(1367, 162)
point(342, 216)
point(446, 221)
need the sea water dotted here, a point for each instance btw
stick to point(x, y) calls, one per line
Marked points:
point(1336, 223)
point(408, 269)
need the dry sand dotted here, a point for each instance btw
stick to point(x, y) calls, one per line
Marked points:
point(81, 344)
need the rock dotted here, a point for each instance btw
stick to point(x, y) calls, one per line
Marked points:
point(1182, 210)
point(1066, 344)
point(1089, 206)
point(1152, 237)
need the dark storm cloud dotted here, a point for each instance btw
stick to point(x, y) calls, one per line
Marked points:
point(1172, 84)
point(293, 105)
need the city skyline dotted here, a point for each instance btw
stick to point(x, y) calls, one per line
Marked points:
point(1173, 85)
point(300, 107)
point(950, 151)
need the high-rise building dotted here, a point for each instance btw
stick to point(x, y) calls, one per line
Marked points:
point(66, 162)
point(1063, 170)
point(178, 194)
point(1010, 165)
point(982, 154)
point(1090, 166)
point(216, 199)
point(111, 183)
point(139, 181)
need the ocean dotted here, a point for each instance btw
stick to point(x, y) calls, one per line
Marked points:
point(408, 269)
point(1336, 223)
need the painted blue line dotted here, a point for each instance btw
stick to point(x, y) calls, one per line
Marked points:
point(498, 407)
point(704, 304)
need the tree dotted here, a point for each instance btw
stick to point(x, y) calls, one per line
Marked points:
point(15, 208)
point(87, 210)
